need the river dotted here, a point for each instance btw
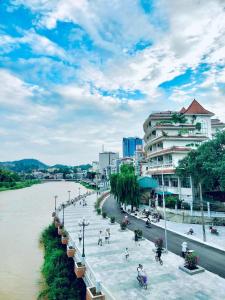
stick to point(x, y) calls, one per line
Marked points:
point(24, 214)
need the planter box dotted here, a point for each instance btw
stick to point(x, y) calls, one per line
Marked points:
point(79, 270)
point(64, 240)
point(70, 252)
point(192, 272)
point(90, 295)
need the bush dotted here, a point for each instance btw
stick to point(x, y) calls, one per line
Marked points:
point(112, 219)
point(104, 214)
point(58, 269)
point(123, 226)
point(191, 261)
point(98, 211)
point(139, 233)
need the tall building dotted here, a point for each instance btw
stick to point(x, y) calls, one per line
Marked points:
point(105, 161)
point(168, 139)
point(129, 146)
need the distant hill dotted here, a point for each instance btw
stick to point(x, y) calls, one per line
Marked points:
point(26, 165)
point(23, 165)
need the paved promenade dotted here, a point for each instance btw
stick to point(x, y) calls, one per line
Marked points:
point(118, 276)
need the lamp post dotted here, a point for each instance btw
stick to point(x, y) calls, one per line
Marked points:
point(69, 194)
point(164, 210)
point(83, 223)
point(63, 205)
point(55, 201)
point(202, 212)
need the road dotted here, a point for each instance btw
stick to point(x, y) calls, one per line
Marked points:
point(211, 259)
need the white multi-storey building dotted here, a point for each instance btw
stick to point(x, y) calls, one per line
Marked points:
point(167, 141)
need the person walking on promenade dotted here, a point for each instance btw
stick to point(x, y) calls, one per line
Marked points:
point(126, 254)
point(80, 236)
point(184, 249)
point(136, 239)
point(106, 236)
point(100, 238)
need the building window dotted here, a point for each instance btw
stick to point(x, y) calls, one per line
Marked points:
point(174, 182)
point(185, 182)
point(166, 181)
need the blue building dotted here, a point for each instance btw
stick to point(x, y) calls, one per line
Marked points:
point(129, 145)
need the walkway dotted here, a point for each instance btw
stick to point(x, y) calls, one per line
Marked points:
point(118, 277)
point(210, 258)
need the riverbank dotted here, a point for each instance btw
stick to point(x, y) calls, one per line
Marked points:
point(5, 186)
point(58, 269)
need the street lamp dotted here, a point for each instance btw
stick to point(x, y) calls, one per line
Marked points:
point(164, 209)
point(55, 201)
point(69, 194)
point(63, 205)
point(83, 223)
point(202, 212)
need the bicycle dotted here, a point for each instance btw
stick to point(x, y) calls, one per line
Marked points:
point(158, 259)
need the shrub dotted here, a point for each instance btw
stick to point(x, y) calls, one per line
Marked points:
point(98, 211)
point(191, 261)
point(139, 233)
point(112, 219)
point(123, 226)
point(104, 214)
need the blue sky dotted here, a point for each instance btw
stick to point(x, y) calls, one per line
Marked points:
point(79, 74)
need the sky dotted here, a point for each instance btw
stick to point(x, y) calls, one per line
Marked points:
point(79, 74)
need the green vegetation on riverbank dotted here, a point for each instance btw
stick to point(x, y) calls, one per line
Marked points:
point(11, 180)
point(58, 269)
point(88, 186)
point(4, 186)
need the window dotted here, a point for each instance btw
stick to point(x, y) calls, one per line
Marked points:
point(174, 181)
point(185, 182)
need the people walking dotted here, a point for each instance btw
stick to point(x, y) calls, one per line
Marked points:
point(136, 239)
point(106, 236)
point(100, 238)
point(126, 254)
point(184, 249)
point(80, 236)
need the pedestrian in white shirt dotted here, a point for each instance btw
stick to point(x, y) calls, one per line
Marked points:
point(106, 236)
point(126, 253)
point(184, 249)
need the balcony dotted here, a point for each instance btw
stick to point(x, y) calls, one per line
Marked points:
point(165, 165)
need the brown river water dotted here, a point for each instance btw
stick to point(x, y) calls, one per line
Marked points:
point(24, 214)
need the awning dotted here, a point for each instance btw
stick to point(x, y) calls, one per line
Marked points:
point(147, 182)
point(165, 193)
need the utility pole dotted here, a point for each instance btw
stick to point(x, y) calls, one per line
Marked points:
point(202, 212)
point(164, 211)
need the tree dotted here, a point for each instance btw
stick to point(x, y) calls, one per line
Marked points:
point(124, 186)
point(206, 164)
point(178, 118)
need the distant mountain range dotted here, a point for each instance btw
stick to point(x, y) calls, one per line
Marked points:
point(29, 164)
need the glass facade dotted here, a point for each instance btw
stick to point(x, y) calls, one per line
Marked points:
point(129, 145)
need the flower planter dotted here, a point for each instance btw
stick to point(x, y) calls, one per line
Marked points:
point(64, 240)
point(197, 270)
point(91, 294)
point(70, 252)
point(79, 269)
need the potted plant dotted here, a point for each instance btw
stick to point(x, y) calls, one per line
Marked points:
point(64, 238)
point(123, 226)
point(70, 251)
point(79, 269)
point(191, 264)
point(93, 293)
point(139, 233)
point(98, 211)
point(60, 229)
point(112, 220)
point(104, 214)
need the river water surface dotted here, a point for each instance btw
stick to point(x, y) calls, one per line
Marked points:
point(24, 214)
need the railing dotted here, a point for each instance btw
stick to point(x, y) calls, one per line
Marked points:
point(161, 166)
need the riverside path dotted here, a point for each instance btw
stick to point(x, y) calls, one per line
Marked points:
point(211, 259)
point(108, 265)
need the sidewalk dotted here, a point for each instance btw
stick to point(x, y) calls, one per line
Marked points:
point(166, 282)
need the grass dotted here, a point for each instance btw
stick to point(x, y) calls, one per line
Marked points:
point(4, 186)
point(58, 270)
point(88, 186)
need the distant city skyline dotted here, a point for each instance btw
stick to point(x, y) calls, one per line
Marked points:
point(75, 75)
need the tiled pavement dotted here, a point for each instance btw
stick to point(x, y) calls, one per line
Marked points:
point(118, 276)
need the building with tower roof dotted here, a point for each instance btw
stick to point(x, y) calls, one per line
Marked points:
point(169, 136)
